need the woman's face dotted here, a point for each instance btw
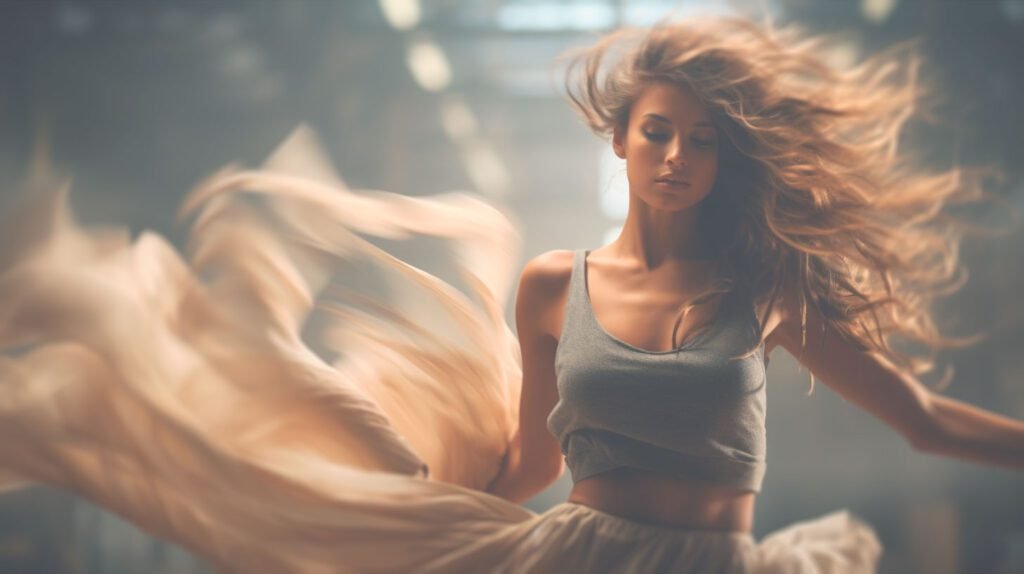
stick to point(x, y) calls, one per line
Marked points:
point(670, 147)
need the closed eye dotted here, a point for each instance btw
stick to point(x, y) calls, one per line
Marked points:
point(656, 136)
point(701, 143)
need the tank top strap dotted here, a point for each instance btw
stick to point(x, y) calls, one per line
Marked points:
point(575, 298)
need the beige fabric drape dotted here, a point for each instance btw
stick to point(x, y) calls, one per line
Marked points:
point(272, 400)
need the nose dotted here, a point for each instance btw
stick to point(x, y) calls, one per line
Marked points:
point(675, 156)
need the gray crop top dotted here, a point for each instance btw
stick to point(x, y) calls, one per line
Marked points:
point(693, 414)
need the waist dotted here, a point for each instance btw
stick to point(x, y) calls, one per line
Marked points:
point(661, 500)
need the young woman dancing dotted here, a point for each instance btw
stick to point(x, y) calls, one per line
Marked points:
point(769, 206)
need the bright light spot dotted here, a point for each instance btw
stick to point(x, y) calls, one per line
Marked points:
point(556, 16)
point(457, 119)
point(877, 11)
point(613, 187)
point(429, 65)
point(650, 12)
point(401, 14)
point(645, 14)
point(486, 169)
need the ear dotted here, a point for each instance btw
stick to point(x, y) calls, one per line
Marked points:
point(619, 139)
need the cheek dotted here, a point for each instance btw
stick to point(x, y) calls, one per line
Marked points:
point(708, 168)
point(641, 160)
point(644, 152)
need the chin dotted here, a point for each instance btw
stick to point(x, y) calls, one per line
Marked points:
point(671, 202)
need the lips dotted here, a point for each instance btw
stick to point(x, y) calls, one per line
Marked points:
point(672, 182)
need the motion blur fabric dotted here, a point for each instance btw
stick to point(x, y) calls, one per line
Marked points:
point(696, 413)
point(271, 399)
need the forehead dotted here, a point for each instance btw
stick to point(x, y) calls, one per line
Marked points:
point(675, 103)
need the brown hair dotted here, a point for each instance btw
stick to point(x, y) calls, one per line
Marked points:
point(813, 190)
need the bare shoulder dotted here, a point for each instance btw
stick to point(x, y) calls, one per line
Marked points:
point(549, 271)
point(542, 288)
point(792, 320)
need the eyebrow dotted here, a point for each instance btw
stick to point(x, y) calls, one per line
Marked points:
point(702, 123)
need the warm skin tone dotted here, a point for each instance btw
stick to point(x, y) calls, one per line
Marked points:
point(636, 284)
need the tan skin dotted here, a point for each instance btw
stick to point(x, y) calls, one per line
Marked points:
point(636, 285)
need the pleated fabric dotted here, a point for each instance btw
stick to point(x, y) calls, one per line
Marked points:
point(289, 396)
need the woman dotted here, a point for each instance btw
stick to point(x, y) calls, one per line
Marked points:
point(743, 151)
point(767, 207)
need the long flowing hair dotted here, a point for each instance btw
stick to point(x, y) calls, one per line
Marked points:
point(814, 193)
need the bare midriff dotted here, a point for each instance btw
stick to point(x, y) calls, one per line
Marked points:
point(667, 501)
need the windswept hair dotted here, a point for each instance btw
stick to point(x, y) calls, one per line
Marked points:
point(813, 192)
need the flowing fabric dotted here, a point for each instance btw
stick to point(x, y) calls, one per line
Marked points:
point(292, 397)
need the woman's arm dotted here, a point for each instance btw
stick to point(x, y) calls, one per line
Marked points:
point(518, 482)
point(930, 422)
point(974, 434)
point(534, 459)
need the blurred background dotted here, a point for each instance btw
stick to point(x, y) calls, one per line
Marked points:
point(139, 100)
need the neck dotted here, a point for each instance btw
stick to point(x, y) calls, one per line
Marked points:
point(652, 236)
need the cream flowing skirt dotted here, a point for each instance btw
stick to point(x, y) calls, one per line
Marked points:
point(272, 401)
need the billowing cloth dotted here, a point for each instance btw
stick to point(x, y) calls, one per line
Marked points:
point(291, 397)
point(575, 538)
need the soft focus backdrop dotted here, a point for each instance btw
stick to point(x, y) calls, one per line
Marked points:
point(137, 101)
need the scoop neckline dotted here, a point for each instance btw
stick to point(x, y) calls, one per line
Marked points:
point(590, 309)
